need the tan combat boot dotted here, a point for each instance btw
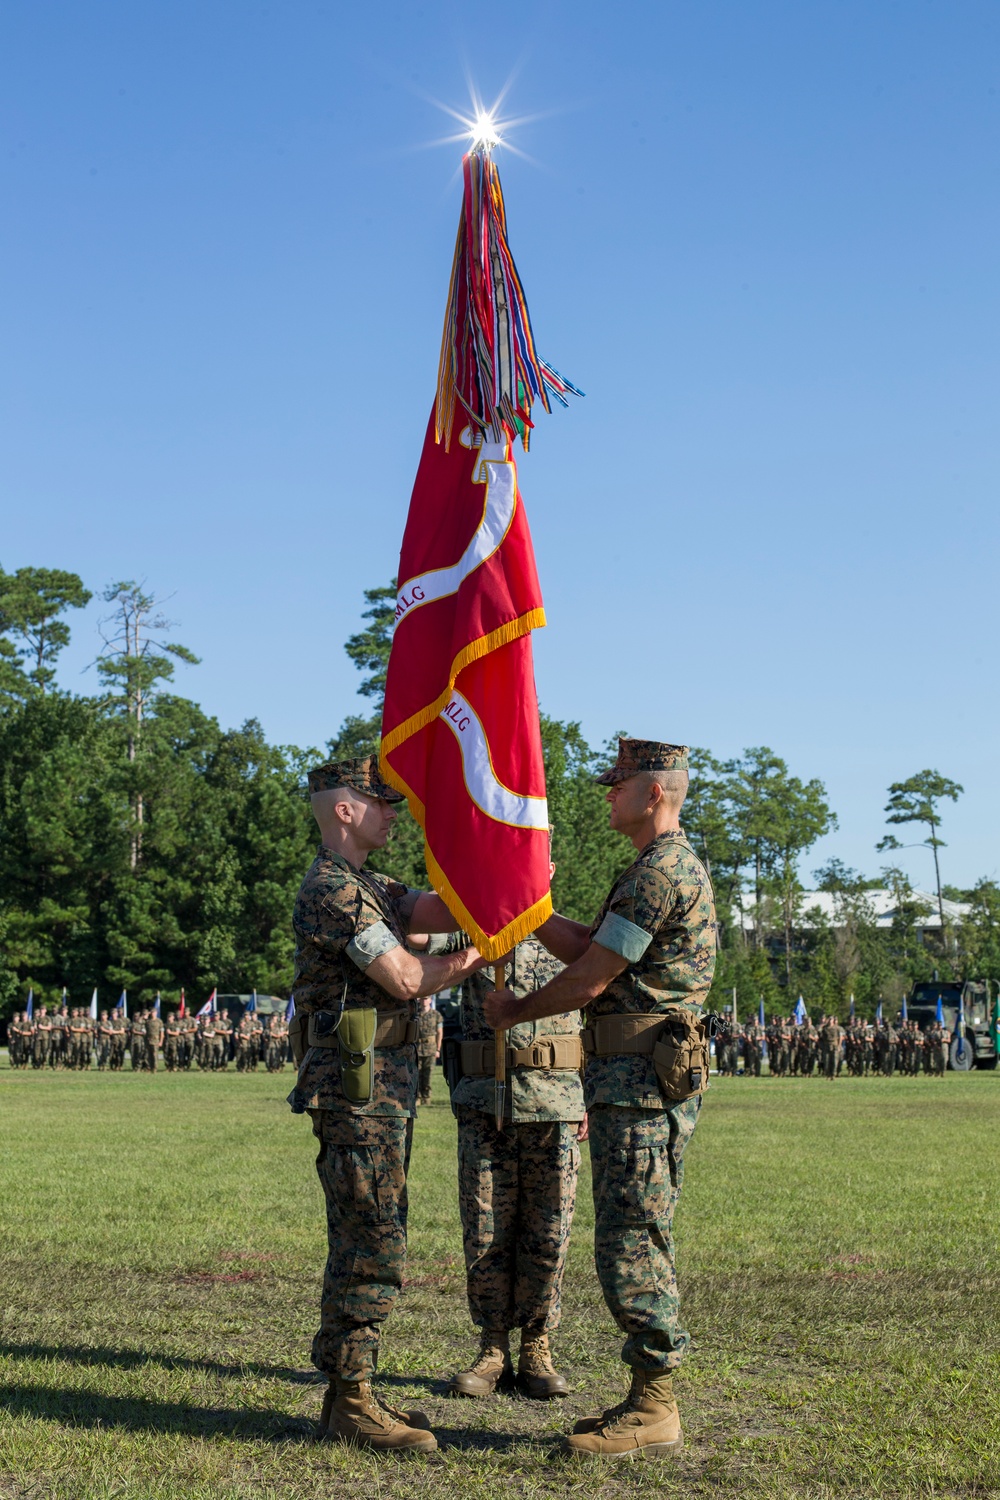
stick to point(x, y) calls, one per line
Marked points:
point(353, 1414)
point(646, 1422)
point(410, 1418)
point(492, 1367)
point(536, 1374)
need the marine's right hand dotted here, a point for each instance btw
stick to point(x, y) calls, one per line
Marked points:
point(473, 961)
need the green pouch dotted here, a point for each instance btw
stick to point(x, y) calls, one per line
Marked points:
point(356, 1036)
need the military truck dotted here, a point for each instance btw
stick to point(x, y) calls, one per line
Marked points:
point(979, 1050)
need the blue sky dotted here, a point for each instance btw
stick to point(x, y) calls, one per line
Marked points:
point(762, 238)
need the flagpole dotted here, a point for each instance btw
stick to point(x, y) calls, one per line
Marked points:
point(500, 1049)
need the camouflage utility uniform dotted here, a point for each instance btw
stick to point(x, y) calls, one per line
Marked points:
point(172, 1043)
point(429, 1028)
point(154, 1036)
point(517, 1186)
point(661, 917)
point(277, 1044)
point(344, 919)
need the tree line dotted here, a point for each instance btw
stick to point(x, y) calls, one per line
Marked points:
point(144, 847)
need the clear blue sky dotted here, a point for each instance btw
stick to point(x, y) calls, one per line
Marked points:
point(762, 238)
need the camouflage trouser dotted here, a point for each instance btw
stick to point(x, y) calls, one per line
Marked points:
point(362, 1165)
point(425, 1065)
point(637, 1162)
point(516, 1196)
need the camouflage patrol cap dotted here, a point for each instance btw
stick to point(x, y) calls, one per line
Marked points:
point(644, 755)
point(361, 775)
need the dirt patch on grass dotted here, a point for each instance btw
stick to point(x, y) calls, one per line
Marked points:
point(200, 1278)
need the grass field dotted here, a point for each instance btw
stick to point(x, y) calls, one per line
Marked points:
point(160, 1258)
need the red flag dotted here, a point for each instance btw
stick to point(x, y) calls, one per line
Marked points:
point(183, 1006)
point(460, 729)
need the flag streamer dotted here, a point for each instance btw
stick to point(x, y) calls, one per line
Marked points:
point(489, 364)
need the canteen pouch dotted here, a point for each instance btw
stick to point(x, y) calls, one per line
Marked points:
point(681, 1057)
point(356, 1037)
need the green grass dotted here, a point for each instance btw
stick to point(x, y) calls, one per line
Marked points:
point(160, 1257)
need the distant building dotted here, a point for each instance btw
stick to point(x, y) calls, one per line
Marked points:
point(832, 905)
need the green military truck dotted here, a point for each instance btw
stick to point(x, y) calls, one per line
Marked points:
point(971, 996)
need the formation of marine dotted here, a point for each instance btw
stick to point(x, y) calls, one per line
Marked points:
point(69, 1038)
point(860, 1049)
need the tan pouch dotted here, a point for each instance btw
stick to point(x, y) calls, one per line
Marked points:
point(356, 1037)
point(681, 1057)
point(297, 1038)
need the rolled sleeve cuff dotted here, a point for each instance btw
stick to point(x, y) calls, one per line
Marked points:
point(370, 944)
point(622, 937)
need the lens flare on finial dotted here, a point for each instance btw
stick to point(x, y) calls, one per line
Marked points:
point(484, 132)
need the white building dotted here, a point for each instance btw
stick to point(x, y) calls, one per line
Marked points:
point(882, 904)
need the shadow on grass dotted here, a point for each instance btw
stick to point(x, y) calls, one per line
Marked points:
point(135, 1359)
point(75, 1408)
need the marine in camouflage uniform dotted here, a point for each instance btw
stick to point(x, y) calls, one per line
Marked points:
point(20, 1040)
point(105, 1038)
point(429, 1030)
point(752, 1049)
point(42, 1039)
point(277, 1044)
point(172, 1042)
point(60, 1045)
point(154, 1036)
point(350, 932)
point(118, 1040)
point(137, 1040)
point(256, 1041)
point(650, 953)
point(222, 1032)
point(517, 1186)
point(725, 1047)
point(241, 1041)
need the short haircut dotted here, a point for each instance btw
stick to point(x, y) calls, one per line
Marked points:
point(673, 783)
point(330, 796)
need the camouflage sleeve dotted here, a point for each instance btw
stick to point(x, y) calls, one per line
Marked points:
point(370, 943)
point(403, 897)
point(346, 919)
point(638, 908)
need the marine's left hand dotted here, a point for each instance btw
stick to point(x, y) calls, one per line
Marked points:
point(500, 1009)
